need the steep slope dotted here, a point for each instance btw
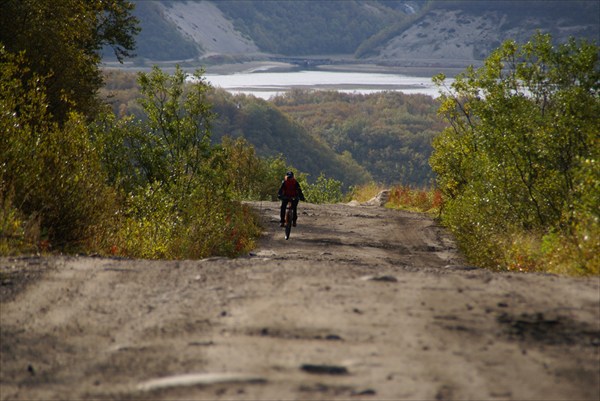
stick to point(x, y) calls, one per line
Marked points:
point(304, 27)
point(380, 31)
point(206, 25)
point(451, 32)
point(159, 39)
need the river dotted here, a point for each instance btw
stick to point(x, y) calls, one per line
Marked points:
point(268, 84)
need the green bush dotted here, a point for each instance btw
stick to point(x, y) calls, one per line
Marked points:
point(12, 227)
point(217, 226)
point(183, 192)
point(149, 224)
point(324, 190)
point(50, 174)
point(518, 165)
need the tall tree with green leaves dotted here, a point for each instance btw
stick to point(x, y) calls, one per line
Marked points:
point(62, 39)
point(178, 125)
point(52, 185)
point(521, 153)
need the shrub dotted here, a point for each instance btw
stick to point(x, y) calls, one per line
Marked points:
point(249, 177)
point(149, 224)
point(421, 200)
point(51, 175)
point(324, 190)
point(519, 164)
point(12, 227)
point(182, 191)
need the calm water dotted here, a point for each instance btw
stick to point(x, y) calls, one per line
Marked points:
point(268, 84)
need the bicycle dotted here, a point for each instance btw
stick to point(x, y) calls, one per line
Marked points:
point(289, 217)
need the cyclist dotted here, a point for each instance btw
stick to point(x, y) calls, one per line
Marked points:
point(290, 188)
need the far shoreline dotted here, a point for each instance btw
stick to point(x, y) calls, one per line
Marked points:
point(417, 68)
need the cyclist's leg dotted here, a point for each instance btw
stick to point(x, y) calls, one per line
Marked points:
point(282, 211)
point(295, 207)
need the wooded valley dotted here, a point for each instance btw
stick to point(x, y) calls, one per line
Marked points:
point(385, 137)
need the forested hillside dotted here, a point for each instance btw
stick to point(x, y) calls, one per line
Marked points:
point(387, 133)
point(272, 132)
point(260, 122)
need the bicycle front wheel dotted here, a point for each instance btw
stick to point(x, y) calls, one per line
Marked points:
point(288, 230)
point(288, 224)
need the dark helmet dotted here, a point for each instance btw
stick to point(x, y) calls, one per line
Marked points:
point(289, 174)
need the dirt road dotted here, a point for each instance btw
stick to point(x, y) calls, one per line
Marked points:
point(360, 303)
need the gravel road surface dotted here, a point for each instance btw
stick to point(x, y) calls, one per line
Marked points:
point(361, 302)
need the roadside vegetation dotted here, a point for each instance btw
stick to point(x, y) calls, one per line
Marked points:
point(428, 201)
point(76, 178)
point(518, 181)
point(363, 193)
point(518, 165)
point(404, 197)
point(152, 188)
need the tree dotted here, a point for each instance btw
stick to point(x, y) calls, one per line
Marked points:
point(177, 131)
point(62, 42)
point(523, 130)
point(178, 198)
point(50, 176)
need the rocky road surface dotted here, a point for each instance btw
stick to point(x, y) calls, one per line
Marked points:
point(361, 303)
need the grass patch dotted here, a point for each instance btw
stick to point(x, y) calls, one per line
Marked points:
point(414, 199)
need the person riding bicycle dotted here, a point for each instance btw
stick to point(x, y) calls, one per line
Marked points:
point(290, 188)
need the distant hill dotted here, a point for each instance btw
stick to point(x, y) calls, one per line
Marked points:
point(450, 31)
point(159, 38)
point(310, 27)
point(379, 31)
point(272, 132)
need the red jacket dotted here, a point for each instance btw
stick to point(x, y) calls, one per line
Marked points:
point(290, 188)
